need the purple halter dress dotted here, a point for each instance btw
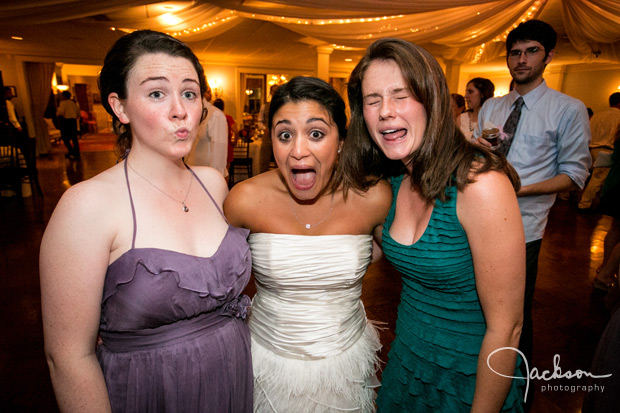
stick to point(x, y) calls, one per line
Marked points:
point(172, 327)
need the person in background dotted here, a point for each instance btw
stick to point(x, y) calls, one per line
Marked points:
point(457, 103)
point(141, 274)
point(545, 137)
point(605, 126)
point(232, 131)
point(68, 113)
point(454, 232)
point(477, 92)
point(266, 153)
point(10, 108)
point(211, 146)
point(311, 237)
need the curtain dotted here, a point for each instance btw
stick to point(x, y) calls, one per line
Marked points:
point(39, 77)
point(462, 30)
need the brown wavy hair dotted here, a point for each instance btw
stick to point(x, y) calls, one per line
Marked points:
point(444, 157)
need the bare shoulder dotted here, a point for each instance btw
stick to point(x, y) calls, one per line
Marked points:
point(491, 196)
point(377, 198)
point(488, 185)
point(249, 196)
point(98, 194)
point(213, 180)
point(90, 209)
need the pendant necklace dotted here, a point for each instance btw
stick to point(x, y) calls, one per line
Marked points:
point(471, 128)
point(308, 226)
point(191, 178)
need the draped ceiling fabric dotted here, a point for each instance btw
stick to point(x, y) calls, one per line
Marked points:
point(464, 31)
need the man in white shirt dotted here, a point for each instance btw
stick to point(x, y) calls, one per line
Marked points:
point(211, 145)
point(549, 148)
point(605, 127)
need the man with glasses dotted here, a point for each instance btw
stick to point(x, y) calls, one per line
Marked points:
point(547, 142)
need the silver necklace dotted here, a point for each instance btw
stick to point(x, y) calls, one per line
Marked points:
point(471, 127)
point(308, 226)
point(191, 178)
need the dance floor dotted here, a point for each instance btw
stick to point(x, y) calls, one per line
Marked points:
point(569, 315)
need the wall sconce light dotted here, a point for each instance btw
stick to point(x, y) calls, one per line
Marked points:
point(62, 88)
point(249, 92)
point(216, 88)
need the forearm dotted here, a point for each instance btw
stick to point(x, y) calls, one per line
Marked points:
point(79, 385)
point(491, 387)
point(558, 183)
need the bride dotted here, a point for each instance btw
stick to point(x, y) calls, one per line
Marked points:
point(313, 350)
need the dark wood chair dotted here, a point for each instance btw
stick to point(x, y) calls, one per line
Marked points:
point(18, 161)
point(242, 162)
point(10, 179)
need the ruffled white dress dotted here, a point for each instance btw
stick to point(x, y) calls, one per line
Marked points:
point(313, 350)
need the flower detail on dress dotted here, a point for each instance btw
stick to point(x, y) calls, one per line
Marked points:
point(237, 308)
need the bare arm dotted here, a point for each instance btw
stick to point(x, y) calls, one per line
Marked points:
point(489, 213)
point(74, 256)
point(553, 185)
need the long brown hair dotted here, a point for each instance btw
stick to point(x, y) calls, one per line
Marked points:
point(444, 156)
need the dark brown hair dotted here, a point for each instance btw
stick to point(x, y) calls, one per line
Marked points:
point(304, 88)
point(444, 156)
point(119, 61)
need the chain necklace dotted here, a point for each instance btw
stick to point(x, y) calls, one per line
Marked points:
point(191, 178)
point(308, 226)
point(471, 127)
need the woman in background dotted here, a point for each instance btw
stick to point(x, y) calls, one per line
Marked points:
point(457, 103)
point(454, 231)
point(142, 257)
point(313, 349)
point(478, 91)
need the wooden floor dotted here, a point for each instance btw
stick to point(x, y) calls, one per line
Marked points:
point(569, 315)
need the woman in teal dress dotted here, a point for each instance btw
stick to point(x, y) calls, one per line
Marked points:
point(454, 232)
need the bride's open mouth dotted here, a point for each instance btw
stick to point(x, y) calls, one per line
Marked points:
point(303, 179)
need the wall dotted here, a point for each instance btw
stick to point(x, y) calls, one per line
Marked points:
point(592, 87)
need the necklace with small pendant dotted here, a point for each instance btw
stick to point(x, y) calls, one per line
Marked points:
point(191, 179)
point(309, 226)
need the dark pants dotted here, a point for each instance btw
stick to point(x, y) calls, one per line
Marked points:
point(68, 133)
point(532, 250)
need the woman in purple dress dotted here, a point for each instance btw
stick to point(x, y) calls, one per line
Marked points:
point(141, 259)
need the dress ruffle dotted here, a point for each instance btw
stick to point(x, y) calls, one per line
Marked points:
point(208, 276)
point(285, 385)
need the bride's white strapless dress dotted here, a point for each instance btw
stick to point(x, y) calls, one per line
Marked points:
point(313, 350)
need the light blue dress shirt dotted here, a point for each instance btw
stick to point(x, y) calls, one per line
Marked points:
point(552, 138)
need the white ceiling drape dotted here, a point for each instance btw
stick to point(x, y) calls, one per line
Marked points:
point(467, 31)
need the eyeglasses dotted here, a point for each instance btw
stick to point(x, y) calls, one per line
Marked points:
point(529, 52)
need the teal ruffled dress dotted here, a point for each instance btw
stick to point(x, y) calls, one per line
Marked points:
point(440, 326)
